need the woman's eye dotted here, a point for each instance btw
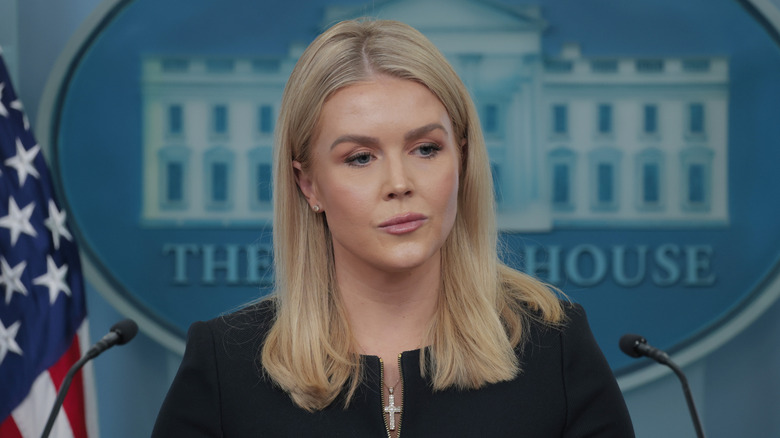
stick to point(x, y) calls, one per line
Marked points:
point(360, 159)
point(428, 150)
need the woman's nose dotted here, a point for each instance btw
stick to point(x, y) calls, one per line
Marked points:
point(399, 183)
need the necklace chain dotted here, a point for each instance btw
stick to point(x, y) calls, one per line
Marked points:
point(391, 388)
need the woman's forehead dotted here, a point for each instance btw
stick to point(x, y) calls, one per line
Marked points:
point(384, 103)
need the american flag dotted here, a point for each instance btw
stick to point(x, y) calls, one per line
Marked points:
point(43, 314)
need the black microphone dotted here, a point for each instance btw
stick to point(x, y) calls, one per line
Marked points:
point(120, 334)
point(637, 346)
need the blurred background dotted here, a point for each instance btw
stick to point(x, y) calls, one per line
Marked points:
point(729, 351)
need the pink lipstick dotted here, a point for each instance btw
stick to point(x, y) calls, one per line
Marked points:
point(403, 223)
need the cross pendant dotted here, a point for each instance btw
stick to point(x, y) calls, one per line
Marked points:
point(391, 410)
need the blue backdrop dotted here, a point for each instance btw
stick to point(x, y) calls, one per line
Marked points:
point(736, 386)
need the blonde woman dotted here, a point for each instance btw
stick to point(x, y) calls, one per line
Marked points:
point(392, 313)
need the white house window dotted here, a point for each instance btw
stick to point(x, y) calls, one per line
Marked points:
point(173, 173)
point(604, 122)
point(219, 119)
point(174, 187)
point(650, 65)
point(697, 178)
point(650, 119)
point(175, 65)
point(219, 182)
point(261, 192)
point(696, 118)
point(218, 162)
point(696, 183)
point(605, 183)
point(605, 179)
point(701, 65)
point(651, 183)
point(264, 183)
point(558, 66)
point(560, 120)
point(561, 163)
point(490, 119)
point(175, 120)
point(265, 119)
point(266, 65)
point(561, 184)
point(220, 65)
point(604, 66)
point(649, 179)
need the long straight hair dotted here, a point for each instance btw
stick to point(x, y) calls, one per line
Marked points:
point(483, 307)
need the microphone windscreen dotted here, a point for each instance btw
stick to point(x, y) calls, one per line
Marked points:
point(126, 330)
point(628, 343)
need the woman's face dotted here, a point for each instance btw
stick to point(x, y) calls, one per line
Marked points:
point(384, 171)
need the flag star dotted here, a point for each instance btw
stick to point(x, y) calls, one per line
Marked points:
point(3, 110)
point(56, 224)
point(17, 105)
point(8, 339)
point(23, 161)
point(12, 279)
point(18, 221)
point(54, 279)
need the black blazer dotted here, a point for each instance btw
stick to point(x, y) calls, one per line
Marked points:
point(565, 389)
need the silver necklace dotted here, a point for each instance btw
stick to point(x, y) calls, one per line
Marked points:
point(391, 409)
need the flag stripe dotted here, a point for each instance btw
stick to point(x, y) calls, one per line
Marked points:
point(32, 413)
point(88, 378)
point(74, 402)
point(75, 397)
point(61, 367)
point(8, 429)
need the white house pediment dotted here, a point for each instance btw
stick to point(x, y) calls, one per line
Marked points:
point(445, 15)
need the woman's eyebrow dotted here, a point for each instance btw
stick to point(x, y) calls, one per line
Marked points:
point(354, 138)
point(373, 141)
point(419, 132)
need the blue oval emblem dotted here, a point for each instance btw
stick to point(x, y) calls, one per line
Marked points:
point(636, 173)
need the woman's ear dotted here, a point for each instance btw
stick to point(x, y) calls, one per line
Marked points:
point(305, 183)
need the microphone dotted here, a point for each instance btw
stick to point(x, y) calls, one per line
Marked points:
point(637, 346)
point(121, 333)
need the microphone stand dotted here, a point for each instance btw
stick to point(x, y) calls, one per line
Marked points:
point(688, 396)
point(120, 334)
point(63, 392)
point(636, 346)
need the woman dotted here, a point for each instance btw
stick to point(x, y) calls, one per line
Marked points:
point(392, 311)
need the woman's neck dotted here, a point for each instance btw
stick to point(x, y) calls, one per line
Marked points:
point(389, 312)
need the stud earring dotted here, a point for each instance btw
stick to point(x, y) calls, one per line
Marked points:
point(316, 208)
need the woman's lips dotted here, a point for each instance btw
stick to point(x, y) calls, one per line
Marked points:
point(404, 223)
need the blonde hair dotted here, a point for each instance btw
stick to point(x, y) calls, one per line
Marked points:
point(484, 306)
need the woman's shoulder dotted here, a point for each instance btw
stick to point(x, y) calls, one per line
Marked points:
point(573, 321)
point(260, 313)
point(247, 326)
point(572, 337)
point(574, 314)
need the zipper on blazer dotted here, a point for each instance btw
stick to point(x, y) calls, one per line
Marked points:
point(382, 396)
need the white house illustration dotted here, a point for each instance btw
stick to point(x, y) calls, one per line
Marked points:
point(574, 141)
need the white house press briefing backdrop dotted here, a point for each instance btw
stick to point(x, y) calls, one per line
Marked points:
point(633, 146)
